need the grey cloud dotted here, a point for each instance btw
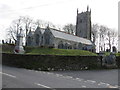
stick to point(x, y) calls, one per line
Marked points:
point(4, 7)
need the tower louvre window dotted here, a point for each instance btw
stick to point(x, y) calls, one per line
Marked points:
point(80, 20)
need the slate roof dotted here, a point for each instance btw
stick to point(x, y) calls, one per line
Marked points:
point(42, 30)
point(31, 33)
point(66, 36)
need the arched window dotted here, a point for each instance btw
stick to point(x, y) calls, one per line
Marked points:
point(47, 39)
point(66, 45)
point(60, 45)
point(69, 47)
point(37, 37)
point(114, 49)
point(85, 48)
point(81, 21)
point(29, 41)
point(74, 46)
point(80, 45)
point(41, 40)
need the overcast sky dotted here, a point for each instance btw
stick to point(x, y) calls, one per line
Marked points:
point(104, 12)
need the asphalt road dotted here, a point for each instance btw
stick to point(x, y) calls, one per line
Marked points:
point(23, 78)
point(106, 76)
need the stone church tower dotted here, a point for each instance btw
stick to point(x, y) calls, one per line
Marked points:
point(83, 24)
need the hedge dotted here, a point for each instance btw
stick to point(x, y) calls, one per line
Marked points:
point(51, 62)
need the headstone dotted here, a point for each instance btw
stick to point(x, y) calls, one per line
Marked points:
point(114, 49)
point(110, 59)
point(3, 42)
point(10, 41)
point(19, 45)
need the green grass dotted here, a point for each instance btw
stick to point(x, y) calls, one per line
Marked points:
point(53, 51)
point(107, 53)
point(48, 51)
point(6, 48)
point(118, 54)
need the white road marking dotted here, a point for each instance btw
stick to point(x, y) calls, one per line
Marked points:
point(44, 86)
point(8, 75)
point(107, 85)
point(80, 80)
point(49, 73)
point(30, 70)
point(112, 86)
point(91, 81)
point(83, 86)
point(59, 75)
point(44, 72)
point(77, 78)
point(69, 77)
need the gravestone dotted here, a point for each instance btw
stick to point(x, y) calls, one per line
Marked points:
point(114, 49)
point(3, 42)
point(19, 45)
point(110, 60)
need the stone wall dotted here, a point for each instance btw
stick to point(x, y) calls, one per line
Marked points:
point(118, 61)
point(51, 62)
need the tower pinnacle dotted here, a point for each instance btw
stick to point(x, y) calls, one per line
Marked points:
point(87, 7)
point(77, 11)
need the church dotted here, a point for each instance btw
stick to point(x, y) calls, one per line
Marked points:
point(50, 37)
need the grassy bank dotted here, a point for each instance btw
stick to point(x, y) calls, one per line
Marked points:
point(53, 51)
point(7, 48)
point(48, 51)
point(118, 54)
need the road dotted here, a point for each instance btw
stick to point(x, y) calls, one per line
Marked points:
point(23, 78)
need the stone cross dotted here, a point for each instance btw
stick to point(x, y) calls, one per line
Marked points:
point(19, 45)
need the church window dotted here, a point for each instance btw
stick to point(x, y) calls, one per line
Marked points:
point(37, 39)
point(47, 39)
point(69, 47)
point(85, 48)
point(29, 41)
point(60, 45)
point(74, 46)
point(42, 40)
point(80, 20)
point(66, 46)
point(80, 45)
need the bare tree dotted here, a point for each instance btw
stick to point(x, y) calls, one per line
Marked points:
point(94, 32)
point(23, 22)
point(44, 24)
point(112, 37)
point(13, 29)
point(102, 33)
point(28, 23)
point(69, 28)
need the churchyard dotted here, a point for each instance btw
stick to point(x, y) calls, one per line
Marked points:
point(47, 59)
point(48, 51)
point(8, 48)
